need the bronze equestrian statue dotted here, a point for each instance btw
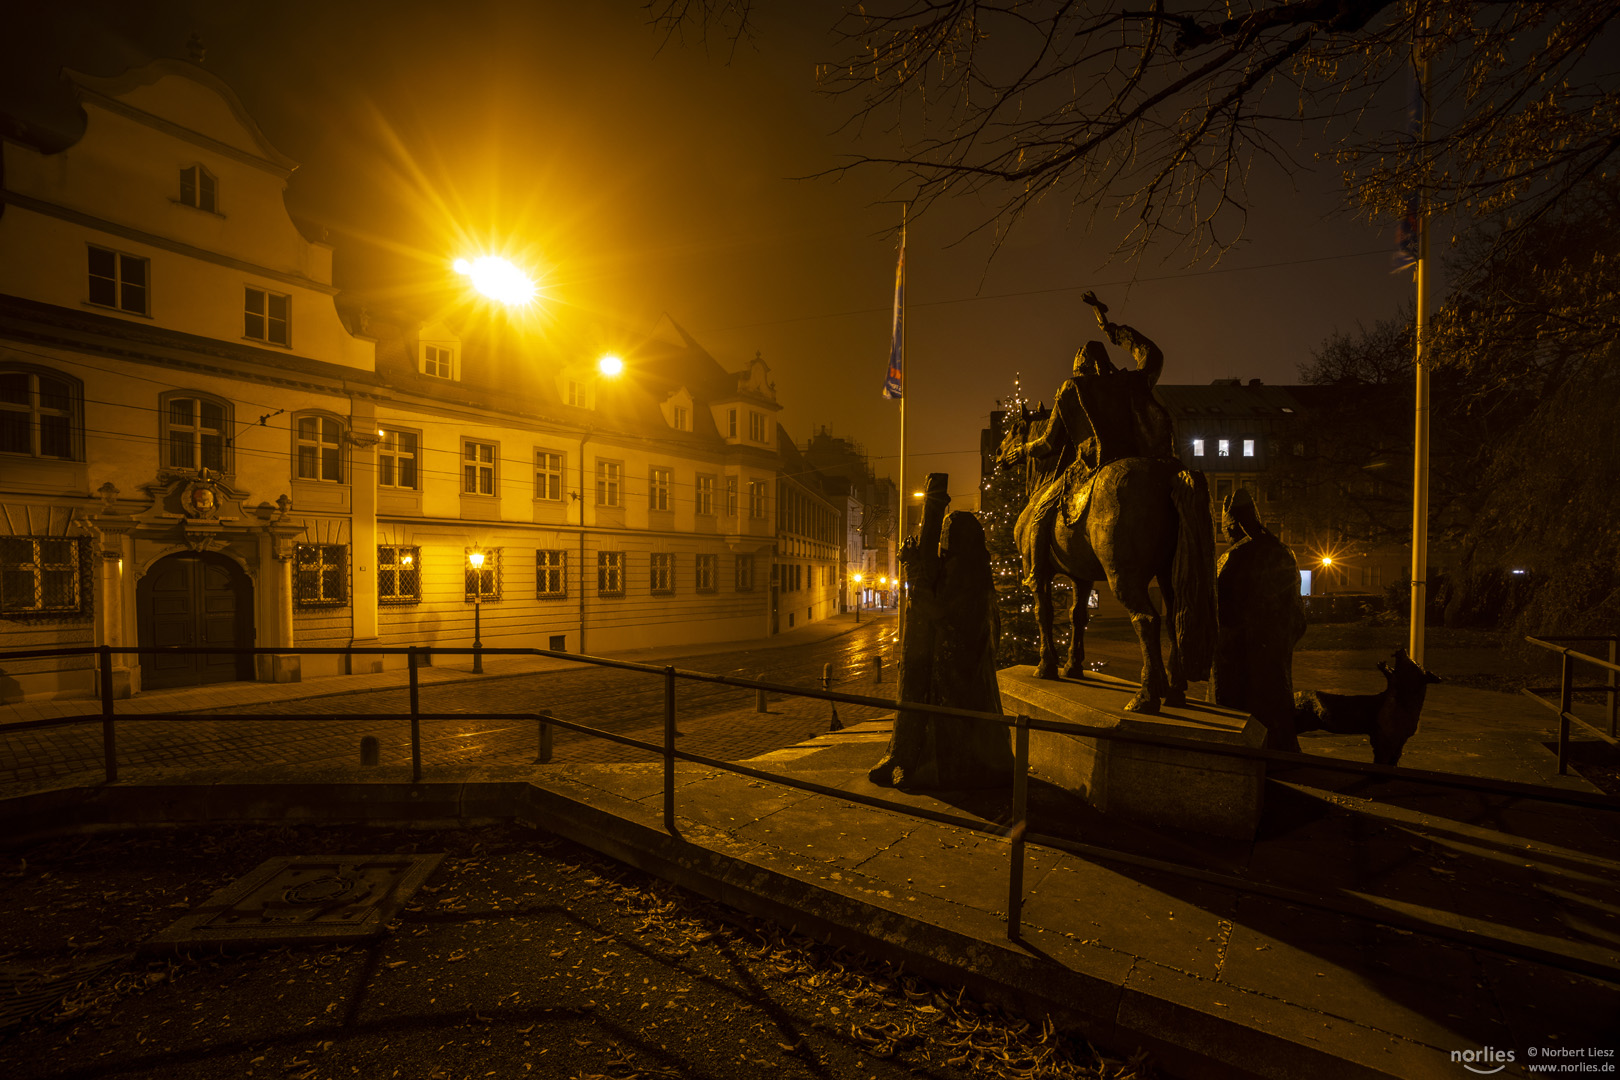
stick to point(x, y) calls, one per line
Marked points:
point(1110, 500)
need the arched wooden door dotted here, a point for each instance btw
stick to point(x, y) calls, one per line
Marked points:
point(197, 599)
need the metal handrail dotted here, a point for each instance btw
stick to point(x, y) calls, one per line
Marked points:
point(1567, 689)
point(1017, 833)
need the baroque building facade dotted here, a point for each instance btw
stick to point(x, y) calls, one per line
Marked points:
point(198, 447)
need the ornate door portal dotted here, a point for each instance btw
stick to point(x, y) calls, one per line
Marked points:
point(197, 599)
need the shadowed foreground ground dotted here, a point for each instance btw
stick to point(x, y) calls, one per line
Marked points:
point(524, 955)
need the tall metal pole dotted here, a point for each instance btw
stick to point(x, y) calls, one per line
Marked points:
point(905, 491)
point(1420, 435)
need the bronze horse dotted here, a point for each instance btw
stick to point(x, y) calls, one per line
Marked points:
point(1144, 519)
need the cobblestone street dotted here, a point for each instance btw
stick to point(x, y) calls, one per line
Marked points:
point(715, 721)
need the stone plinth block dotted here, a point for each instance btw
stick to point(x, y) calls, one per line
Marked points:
point(1172, 788)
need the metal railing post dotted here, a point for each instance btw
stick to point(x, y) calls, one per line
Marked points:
point(1015, 870)
point(416, 722)
point(669, 750)
point(543, 756)
point(1566, 701)
point(109, 742)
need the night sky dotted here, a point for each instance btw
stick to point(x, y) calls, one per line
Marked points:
point(645, 176)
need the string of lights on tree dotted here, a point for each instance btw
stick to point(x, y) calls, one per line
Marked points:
point(1002, 498)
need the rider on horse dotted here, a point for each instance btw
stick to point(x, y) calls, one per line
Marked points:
point(1102, 414)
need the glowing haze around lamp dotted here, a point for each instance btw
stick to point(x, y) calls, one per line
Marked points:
point(497, 279)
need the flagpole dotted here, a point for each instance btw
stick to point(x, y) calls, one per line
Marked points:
point(905, 491)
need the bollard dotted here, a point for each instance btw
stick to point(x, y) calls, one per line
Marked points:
point(826, 684)
point(878, 663)
point(759, 702)
point(370, 750)
point(544, 755)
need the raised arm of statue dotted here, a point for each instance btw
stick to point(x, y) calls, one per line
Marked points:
point(1149, 357)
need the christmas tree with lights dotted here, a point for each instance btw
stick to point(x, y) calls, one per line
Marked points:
point(1002, 497)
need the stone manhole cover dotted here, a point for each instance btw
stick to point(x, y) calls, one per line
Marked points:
point(302, 898)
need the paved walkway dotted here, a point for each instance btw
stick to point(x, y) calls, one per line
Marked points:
point(1195, 968)
point(445, 670)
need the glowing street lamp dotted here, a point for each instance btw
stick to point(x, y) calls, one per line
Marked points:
point(498, 279)
point(476, 560)
point(610, 365)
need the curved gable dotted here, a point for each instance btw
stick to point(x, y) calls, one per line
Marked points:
point(189, 100)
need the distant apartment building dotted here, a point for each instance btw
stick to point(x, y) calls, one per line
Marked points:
point(807, 583)
point(870, 518)
point(198, 447)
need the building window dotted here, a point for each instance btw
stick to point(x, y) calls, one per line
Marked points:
point(731, 496)
point(756, 498)
point(745, 573)
point(575, 394)
point(1223, 448)
point(397, 455)
point(550, 578)
point(1248, 448)
point(708, 572)
point(756, 426)
point(438, 361)
point(548, 476)
point(197, 187)
point(119, 281)
point(609, 483)
point(731, 423)
point(266, 316)
point(663, 573)
point(705, 495)
point(321, 575)
point(658, 489)
point(683, 418)
point(610, 573)
point(477, 468)
point(320, 451)
point(484, 581)
point(1198, 448)
point(39, 414)
point(194, 430)
point(399, 574)
point(40, 575)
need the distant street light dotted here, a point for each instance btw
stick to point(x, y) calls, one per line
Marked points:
point(476, 559)
point(498, 279)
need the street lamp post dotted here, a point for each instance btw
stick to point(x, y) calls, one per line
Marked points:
point(857, 579)
point(476, 558)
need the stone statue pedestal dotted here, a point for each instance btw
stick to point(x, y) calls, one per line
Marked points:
point(1178, 789)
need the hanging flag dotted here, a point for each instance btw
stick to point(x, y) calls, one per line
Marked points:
point(894, 385)
point(1405, 256)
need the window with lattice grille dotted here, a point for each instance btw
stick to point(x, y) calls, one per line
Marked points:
point(399, 574)
point(321, 575)
point(41, 575)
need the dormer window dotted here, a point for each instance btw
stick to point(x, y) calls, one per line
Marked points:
point(438, 362)
point(197, 187)
point(683, 418)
